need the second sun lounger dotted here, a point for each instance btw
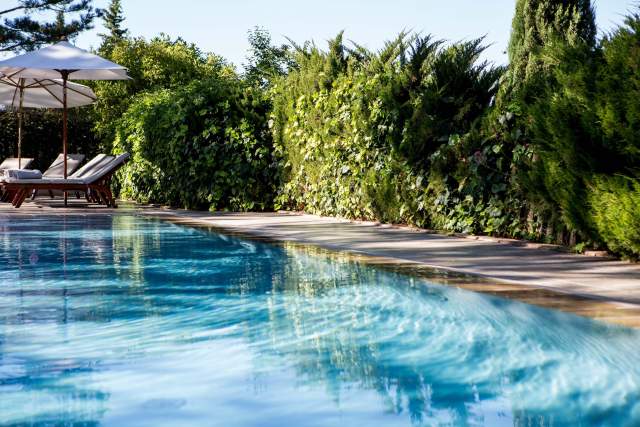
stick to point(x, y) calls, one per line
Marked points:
point(56, 170)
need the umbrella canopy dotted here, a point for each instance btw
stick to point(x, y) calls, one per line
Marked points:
point(47, 93)
point(19, 93)
point(62, 60)
point(51, 61)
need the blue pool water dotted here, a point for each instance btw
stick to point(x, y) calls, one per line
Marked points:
point(126, 321)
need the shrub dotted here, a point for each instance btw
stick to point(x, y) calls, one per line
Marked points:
point(206, 145)
point(616, 216)
point(159, 63)
point(393, 136)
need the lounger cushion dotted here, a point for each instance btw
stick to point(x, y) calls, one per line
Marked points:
point(103, 168)
point(22, 173)
point(57, 167)
point(12, 163)
point(92, 165)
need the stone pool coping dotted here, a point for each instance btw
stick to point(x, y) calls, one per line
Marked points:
point(599, 288)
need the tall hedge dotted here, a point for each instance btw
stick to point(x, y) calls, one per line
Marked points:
point(203, 146)
point(394, 136)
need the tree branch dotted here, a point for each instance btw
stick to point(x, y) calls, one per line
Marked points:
point(3, 12)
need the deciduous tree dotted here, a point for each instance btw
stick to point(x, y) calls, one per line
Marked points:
point(265, 61)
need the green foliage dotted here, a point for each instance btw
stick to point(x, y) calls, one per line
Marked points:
point(205, 145)
point(541, 30)
point(567, 142)
point(394, 136)
point(585, 128)
point(474, 182)
point(617, 105)
point(616, 214)
point(536, 23)
point(442, 93)
point(265, 61)
point(19, 31)
point(159, 63)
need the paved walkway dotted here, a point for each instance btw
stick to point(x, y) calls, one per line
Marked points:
point(611, 288)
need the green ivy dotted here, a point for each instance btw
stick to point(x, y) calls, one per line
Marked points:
point(397, 136)
point(206, 145)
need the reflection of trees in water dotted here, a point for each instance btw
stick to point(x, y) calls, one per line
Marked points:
point(128, 248)
point(324, 315)
point(329, 340)
point(276, 295)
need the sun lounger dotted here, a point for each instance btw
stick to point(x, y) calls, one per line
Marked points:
point(12, 163)
point(93, 179)
point(8, 164)
point(56, 170)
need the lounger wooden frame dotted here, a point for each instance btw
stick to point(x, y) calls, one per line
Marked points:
point(97, 190)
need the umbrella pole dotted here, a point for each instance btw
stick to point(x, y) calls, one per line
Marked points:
point(65, 77)
point(20, 124)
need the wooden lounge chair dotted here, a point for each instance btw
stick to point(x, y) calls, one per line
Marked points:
point(12, 163)
point(93, 179)
point(56, 170)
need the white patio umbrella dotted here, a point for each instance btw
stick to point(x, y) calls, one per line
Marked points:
point(67, 62)
point(23, 93)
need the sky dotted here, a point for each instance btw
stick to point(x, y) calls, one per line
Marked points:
point(221, 26)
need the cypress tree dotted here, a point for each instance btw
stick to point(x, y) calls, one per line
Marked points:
point(550, 40)
point(538, 23)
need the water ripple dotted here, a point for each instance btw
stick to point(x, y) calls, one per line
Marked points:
point(124, 321)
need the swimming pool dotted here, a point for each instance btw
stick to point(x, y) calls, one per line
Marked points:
point(120, 320)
